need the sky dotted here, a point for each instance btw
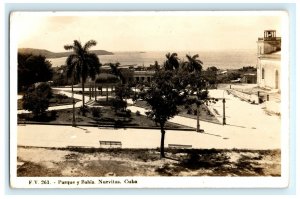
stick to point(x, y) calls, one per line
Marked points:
point(143, 31)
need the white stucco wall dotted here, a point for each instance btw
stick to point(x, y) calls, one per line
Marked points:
point(270, 66)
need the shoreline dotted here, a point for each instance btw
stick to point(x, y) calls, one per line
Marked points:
point(220, 59)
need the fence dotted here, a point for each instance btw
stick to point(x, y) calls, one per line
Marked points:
point(252, 98)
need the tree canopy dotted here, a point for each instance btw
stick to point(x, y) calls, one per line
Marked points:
point(172, 61)
point(172, 86)
point(163, 97)
point(32, 69)
point(82, 63)
point(36, 99)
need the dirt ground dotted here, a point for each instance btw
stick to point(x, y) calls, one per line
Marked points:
point(92, 162)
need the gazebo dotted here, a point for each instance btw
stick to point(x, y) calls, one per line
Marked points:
point(103, 80)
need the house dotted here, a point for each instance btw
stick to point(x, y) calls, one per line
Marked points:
point(249, 78)
point(269, 61)
point(268, 69)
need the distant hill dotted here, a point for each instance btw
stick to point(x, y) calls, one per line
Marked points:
point(49, 54)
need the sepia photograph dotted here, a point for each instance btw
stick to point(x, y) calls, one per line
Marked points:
point(148, 99)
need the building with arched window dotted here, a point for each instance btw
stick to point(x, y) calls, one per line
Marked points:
point(269, 60)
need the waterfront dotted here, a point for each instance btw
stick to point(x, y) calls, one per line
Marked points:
point(221, 59)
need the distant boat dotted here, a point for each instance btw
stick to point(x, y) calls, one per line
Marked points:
point(142, 52)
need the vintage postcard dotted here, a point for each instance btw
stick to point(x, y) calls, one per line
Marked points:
point(177, 99)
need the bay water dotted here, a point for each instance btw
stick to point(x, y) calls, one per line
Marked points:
point(231, 59)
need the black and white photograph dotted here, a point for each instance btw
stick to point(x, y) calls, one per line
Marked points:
point(145, 99)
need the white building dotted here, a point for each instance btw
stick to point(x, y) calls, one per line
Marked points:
point(269, 60)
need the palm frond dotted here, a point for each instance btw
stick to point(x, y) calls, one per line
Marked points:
point(93, 65)
point(174, 55)
point(77, 47)
point(68, 47)
point(195, 56)
point(194, 63)
point(77, 44)
point(71, 59)
point(89, 44)
point(188, 56)
point(199, 61)
point(168, 55)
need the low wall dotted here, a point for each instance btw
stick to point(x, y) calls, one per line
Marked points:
point(252, 98)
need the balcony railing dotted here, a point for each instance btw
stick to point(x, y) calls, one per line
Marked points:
point(269, 39)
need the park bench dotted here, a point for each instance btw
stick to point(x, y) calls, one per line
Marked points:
point(179, 146)
point(110, 143)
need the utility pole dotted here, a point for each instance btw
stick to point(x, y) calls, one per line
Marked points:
point(74, 119)
point(90, 91)
point(224, 118)
point(198, 123)
point(198, 112)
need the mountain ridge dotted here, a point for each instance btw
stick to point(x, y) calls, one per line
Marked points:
point(50, 54)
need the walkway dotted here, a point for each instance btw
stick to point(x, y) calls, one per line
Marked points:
point(248, 127)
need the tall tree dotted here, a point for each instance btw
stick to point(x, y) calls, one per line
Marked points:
point(73, 72)
point(163, 96)
point(172, 61)
point(86, 62)
point(115, 70)
point(194, 66)
point(211, 75)
point(32, 69)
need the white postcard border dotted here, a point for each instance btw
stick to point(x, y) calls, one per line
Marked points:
point(158, 182)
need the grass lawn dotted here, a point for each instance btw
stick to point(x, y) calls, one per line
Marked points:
point(94, 162)
point(55, 100)
point(107, 118)
point(205, 114)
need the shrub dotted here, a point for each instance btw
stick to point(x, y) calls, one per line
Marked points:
point(83, 110)
point(118, 123)
point(96, 112)
point(53, 100)
point(137, 113)
point(195, 111)
point(36, 99)
point(61, 97)
point(53, 114)
point(119, 105)
point(128, 113)
point(44, 90)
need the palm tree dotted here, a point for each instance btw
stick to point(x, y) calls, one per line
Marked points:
point(171, 62)
point(115, 70)
point(87, 64)
point(73, 72)
point(194, 65)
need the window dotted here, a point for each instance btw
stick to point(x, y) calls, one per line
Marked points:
point(263, 73)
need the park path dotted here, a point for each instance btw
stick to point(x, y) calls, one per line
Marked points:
point(248, 127)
